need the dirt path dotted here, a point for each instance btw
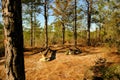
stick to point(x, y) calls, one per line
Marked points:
point(64, 67)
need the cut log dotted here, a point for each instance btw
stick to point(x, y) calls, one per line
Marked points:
point(48, 55)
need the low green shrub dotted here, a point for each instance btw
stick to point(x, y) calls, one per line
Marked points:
point(112, 72)
point(102, 71)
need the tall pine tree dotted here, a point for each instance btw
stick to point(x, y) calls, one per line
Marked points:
point(13, 33)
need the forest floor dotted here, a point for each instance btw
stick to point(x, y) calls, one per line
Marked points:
point(64, 67)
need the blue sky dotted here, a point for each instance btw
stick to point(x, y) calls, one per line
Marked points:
point(42, 21)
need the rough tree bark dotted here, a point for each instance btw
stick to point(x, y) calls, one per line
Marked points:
point(46, 24)
point(13, 33)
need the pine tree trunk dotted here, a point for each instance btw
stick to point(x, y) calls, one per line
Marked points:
point(34, 29)
point(89, 20)
point(100, 33)
point(46, 25)
point(89, 23)
point(31, 32)
point(63, 32)
point(97, 34)
point(75, 27)
point(88, 37)
point(12, 18)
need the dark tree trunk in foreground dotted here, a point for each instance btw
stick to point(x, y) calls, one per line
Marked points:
point(46, 24)
point(89, 9)
point(75, 27)
point(14, 63)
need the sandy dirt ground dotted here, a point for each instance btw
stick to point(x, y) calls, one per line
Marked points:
point(64, 67)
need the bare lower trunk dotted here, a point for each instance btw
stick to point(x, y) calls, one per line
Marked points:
point(46, 24)
point(75, 27)
point(31, 32)
point(63, 32)
point(100, 33)
point(88, 31)
point(34, 29)
point(14, 58)
point(89, 3)
point(97, 34)
point(88, 37)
